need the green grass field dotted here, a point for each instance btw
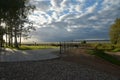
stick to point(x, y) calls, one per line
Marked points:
point(23, 47)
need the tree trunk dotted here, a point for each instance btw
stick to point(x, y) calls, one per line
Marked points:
point(16, 42)
point(6, 39)
point(20, 37)
point(11, 38)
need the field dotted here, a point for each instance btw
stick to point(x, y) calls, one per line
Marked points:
point(35, 46)
point(24, 47)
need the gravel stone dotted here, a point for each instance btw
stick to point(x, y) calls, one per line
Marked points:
point(50, 70)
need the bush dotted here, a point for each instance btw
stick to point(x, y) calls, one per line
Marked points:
point(97, 46)
point(117, 46)
point(83, 42)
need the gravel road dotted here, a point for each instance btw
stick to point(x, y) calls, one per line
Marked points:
point(33, 65)
point(50, 70)
point(10, 55)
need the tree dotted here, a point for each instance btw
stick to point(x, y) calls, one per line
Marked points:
point(115, 32)
point(14, 14)
point(2, 32)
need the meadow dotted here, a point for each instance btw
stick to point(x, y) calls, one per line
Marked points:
point(29, 46)
point(25, 47)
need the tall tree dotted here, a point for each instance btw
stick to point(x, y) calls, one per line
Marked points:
point(2, 32)
point(115, 32)
point(14, 13)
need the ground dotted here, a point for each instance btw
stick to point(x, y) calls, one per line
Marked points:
point(80, 56)
point(77, 66)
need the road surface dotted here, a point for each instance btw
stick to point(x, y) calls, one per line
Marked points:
point(9, 55)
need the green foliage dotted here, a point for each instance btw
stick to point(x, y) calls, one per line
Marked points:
point(115, 32)
point(97, 45)
point(83, 42)
point(117, 46)
point(102, 46)
point(107, 57)
point(14, 14)
point(105, 46)
point(116, 50)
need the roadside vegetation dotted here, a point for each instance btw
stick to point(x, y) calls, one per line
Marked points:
point(33, 47)
point(106, 46)
point(100, 49)
point(105, 56)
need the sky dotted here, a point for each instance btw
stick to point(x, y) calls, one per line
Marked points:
point(65, 20)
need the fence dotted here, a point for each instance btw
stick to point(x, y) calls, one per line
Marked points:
point(66, 46)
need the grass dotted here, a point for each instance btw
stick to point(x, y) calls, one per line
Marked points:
point(23, 47)
point(116, 50)
point(107, 57)
point(106, 46)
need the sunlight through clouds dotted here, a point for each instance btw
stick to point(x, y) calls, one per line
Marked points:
point(75, 19)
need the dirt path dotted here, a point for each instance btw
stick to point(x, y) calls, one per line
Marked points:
point(80, 56)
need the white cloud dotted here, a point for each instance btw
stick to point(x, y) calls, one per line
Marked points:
point(55, 3)
point(92, 8)
point(73, 19)
point(78, 8)
point(69, 30)
point(55, 15)
point(93, 18)
point(63, 3)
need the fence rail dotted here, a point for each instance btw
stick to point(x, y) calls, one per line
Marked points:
point(65, 46)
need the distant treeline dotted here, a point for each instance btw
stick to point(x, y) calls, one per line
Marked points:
point(66, 42)
point(41, 44)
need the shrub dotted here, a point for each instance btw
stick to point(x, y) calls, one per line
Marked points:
point(83, 42)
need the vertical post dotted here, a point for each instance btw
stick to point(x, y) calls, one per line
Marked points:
point(60, 47)
point(64, 48)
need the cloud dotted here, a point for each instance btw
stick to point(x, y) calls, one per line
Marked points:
point(92, 9)
point(60, 20)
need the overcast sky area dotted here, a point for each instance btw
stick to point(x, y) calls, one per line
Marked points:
point(65, 20)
